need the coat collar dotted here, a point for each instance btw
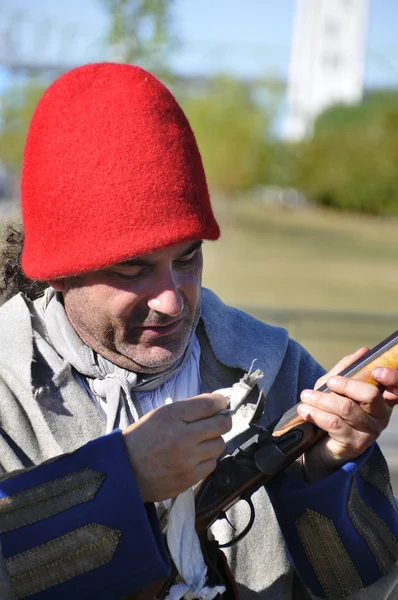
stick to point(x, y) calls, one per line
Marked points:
point(16, 334)
point(235, 337)
point(20, 335)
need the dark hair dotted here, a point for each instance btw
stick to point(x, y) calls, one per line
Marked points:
point(12, 278)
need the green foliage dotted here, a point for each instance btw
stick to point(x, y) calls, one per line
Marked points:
point(141, 32)
point(340, 116)
point(231, 120)
point(16, 109)
point(351, 161)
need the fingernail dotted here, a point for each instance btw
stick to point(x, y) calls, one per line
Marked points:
point(332, 381)
point(306, 394)
point(303, 410)
point(378, 372)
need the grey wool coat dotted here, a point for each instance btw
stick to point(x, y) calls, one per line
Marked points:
point(45, 413)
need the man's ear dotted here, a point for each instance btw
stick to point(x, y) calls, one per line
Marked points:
point(58, 284)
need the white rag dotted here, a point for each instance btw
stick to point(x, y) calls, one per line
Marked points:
point(182, 539)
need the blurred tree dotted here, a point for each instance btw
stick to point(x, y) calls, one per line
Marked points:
point(374, 106)
point(17, 104)
point(141, 33)
point(351, 160)
point(231, 120)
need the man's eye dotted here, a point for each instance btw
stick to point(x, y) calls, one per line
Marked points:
point(187, 259)
point(128, 276)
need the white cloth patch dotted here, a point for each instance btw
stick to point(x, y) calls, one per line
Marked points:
point(182, 539)
point(110, 392)
point(184, 547)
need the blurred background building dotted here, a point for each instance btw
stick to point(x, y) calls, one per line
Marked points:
point(327, 60)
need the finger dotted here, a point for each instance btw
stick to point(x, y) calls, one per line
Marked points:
point(347, 441)
point(391, 398)
point(388, 378)
point(329, 422)
point(341, 365)
point(210, 449)
point(198, 407)
point(367, 395)
point(210, 428)
point(345, 409)
point(205, 468)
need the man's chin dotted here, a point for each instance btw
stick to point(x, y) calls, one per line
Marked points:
point(154, 361)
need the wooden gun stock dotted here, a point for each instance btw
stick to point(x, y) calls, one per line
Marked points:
point(385, 354)
point(260, 459)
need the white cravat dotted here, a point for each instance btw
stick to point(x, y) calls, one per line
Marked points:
point(182, 539)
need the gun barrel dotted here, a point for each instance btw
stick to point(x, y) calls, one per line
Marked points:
point(385, 354)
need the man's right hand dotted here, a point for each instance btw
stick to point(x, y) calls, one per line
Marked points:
point(175, 446)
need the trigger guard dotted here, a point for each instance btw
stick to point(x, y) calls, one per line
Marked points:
point(246, 530)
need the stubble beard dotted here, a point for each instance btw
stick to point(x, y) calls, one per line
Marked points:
point(112, 342)
point(146, 357)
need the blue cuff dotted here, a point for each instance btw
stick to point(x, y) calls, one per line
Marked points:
point(342, 508)
point(93, 499)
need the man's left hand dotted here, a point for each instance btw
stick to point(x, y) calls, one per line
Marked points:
point(353, 414)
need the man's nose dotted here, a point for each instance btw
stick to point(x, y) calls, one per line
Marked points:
point(167, 299)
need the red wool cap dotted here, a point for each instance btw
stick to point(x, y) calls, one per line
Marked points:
point(111, 171)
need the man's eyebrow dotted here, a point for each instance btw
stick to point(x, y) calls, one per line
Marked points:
point(144, 262)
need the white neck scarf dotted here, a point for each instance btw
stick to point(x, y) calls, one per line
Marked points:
point(106, 393)
point(122, 396)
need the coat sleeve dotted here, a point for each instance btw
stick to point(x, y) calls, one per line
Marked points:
point(341, 532)
point(76, 527)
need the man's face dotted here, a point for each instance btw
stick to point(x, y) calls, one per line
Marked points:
point(138, 314)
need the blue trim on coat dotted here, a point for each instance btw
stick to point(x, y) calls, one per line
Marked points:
point(329, 497)
point(140, 557)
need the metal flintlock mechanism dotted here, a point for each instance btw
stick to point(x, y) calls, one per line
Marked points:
point(269, 451)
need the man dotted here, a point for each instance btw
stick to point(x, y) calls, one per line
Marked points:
point(115, 208)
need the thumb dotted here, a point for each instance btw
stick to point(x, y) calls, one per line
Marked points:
point(199, 407)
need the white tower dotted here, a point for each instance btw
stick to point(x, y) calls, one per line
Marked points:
point(327, 60)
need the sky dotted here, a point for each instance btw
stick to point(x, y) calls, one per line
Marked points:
point(245, 37)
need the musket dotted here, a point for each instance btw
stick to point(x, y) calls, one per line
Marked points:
point(275, 447)
point(268, 452)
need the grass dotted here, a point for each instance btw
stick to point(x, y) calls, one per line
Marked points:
point(329, 277)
